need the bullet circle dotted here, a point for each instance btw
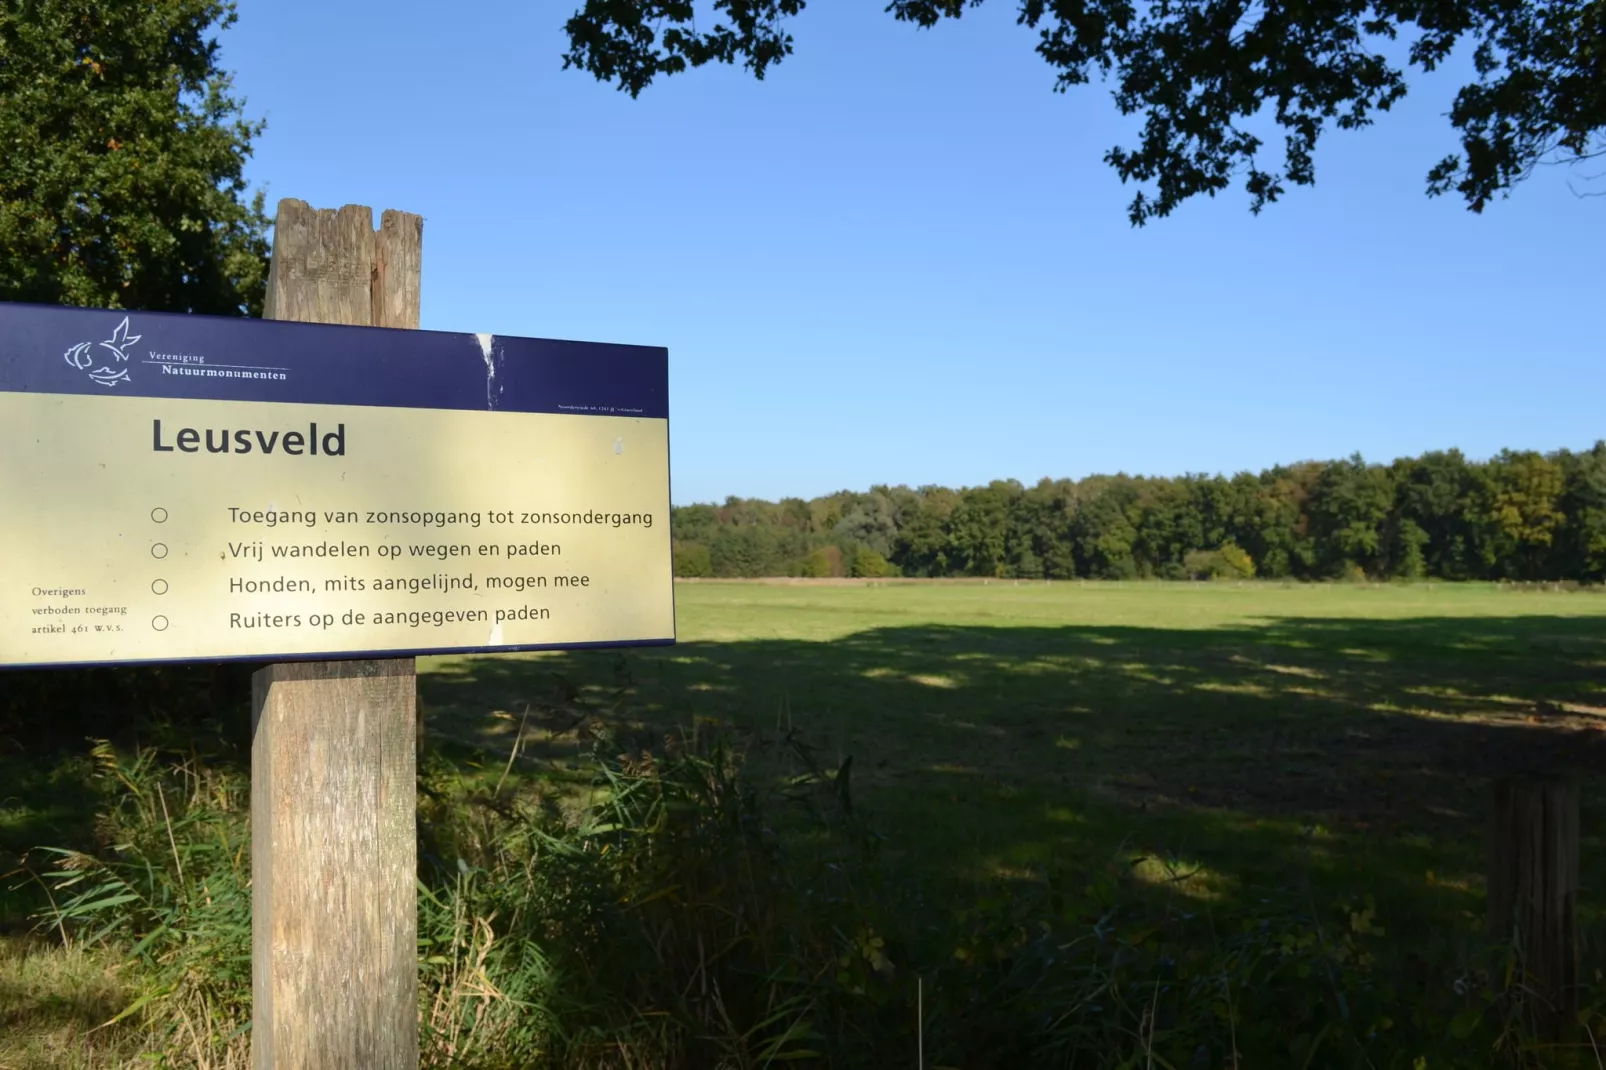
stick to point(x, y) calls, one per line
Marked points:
point(159, 514)
point(159, 550)
point(159, 586)
point(159, 623)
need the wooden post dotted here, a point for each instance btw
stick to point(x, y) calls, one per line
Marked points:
point(334, 911)
point(1533, 891)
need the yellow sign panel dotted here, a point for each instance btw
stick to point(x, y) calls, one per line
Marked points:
point(164, 528)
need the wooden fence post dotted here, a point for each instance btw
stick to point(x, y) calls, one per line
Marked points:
point(1533, 891)
point(334, 911)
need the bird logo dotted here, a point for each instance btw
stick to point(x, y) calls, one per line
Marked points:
point(111, 355)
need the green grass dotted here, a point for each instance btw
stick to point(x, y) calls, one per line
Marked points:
point(1257, 733)
point(1078, 788)
point(51, 1000)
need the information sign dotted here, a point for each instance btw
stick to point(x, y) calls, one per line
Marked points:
point(179, 488)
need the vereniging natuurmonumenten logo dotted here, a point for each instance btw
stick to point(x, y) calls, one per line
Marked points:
point(84, 355)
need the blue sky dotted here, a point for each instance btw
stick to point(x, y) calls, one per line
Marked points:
point(901, 259)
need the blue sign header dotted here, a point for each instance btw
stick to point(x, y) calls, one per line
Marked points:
point(50, 350)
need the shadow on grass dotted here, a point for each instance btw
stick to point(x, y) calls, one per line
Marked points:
point(1354, 752)
point(49, 1003)
point(1357, 753)
point(52, 1003)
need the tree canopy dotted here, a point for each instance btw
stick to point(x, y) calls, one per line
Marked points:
point(1206, 75)
point(121, 179)
point(1521, 516)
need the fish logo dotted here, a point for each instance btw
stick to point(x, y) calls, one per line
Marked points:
point(85, 355)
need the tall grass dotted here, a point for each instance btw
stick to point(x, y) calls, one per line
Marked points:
point(668, 912)
point(170, 889)
point(659, 919)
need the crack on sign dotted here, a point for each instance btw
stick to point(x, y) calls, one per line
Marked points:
point(493, 389)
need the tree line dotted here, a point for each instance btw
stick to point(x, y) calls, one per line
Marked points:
point(1521, 515)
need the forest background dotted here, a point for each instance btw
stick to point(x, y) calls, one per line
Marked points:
point(1520, 516)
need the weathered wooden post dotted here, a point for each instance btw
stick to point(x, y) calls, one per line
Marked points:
point(334, 913)
point(1533, 890)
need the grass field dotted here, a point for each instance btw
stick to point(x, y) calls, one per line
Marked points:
point(1250, 732)
point(1220, 747)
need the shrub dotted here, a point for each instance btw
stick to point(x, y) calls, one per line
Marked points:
point(821, 562)
point(1230, 562)
point(1236, 561)
point(1026, 566)
point(868, 564)
point(691, 560)
point(1202, 564)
